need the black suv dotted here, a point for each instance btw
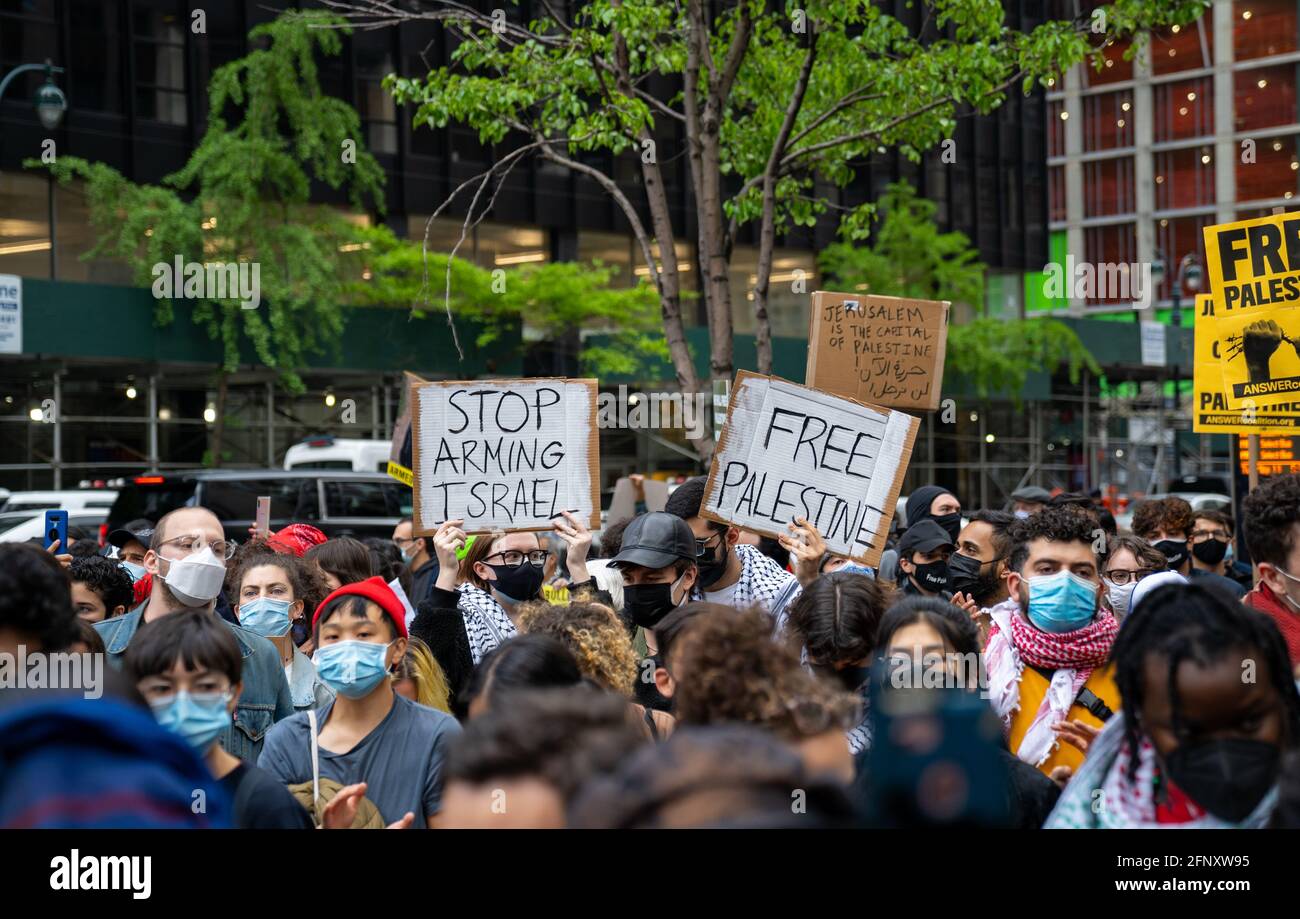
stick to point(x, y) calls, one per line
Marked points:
point(339, 503)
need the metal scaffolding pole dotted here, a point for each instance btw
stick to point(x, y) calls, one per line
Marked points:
point(153, 422)
point(58, 430)
point(270, 424)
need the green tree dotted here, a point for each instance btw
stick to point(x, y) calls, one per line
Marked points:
point(909, 257)
point(777, 103)
point(244, 197)
point(554, 299)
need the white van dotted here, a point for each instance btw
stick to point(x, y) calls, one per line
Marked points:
point(78, 500)
point(339, 453)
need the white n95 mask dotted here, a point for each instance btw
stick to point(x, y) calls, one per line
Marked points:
point(195, 579)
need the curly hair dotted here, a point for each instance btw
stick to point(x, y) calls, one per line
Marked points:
point(306, 581)
point(106, 579)
point(595, 636)
point(35, 598)
point(730, 669)
point(1055, 523)
point(1147, 556)
point(1268, 518)
point(1173, 515)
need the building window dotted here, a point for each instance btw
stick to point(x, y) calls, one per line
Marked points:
point(786, 310)
point(29, 34)
point(1191, 47)
point(1114, 68)
point(24, 225)
point(1108, 121)
point(1275, 172)
point(1184, 109)
point(1175, 238)
point(1264, 97)
point(1110, 245)
point(158, 44)
point(1057, 115)
point(1058, 209)
point(1262, 28)
point(1184, 178)
point(374, 61)
point(95, 78)
point(1108, 187)
point(612, 250)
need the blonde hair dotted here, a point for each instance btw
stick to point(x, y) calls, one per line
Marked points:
point(420, 667)
point(595, 636)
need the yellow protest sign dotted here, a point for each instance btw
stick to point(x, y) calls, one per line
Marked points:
point(1254, 272)
point(1210, 411)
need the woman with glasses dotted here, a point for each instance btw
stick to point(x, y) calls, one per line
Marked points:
point(482, 581)
point(1128, 561)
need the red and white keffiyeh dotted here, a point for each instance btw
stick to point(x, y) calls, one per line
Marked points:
point(1073, 656)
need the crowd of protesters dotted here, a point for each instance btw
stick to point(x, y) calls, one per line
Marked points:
point(669, 671)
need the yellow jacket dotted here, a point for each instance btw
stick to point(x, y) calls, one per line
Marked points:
point(1033, 687)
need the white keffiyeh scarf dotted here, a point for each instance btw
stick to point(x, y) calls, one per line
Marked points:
point(762, 582)
point(486, 622)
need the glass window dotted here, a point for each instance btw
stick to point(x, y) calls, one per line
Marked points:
point(1184, 109)
point(1175, 238)
point(1114, 245)
point(1178, 48)
point(1058, 209)
point(1114, 68)
point(292, 499)
point(1108, 187)
point(157, 27)
point(1264, 97)
point(1108, 121)
point(366, 499)
point(1057, 115)
point(1261, 28)
point(95, 79)
point(610, 249)
point(1275, 172)
point(1184, 178)
point(24, 225)
point(374, 61)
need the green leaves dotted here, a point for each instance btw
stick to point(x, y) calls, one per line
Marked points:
point(997, 355)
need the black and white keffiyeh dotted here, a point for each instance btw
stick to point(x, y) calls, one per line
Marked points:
point(762, 582)
point(486, 622)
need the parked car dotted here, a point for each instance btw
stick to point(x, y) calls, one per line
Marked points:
point(34, 526)
point(1205, 501)
point(340, 503)
point(69, 500)
point(326, 452)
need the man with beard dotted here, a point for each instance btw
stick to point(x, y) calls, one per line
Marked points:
point(187, 559)
point(1047, 649)
point(978, 568)
point(1167, 524)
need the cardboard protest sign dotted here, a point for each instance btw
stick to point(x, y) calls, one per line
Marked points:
point(1254, 271)
point(789, 450)
point(880, 350)
point(1211, 414)
point(623, 505)
point(505, 455)
point(399, 457)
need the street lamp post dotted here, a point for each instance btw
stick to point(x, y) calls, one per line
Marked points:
point(51, 104)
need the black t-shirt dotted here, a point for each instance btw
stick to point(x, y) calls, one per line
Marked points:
point(265, 804)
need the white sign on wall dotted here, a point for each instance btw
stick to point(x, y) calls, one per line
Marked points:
point(11, 314)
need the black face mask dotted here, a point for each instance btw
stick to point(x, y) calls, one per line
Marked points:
point(968, 576)
point(1210, 552)
point(647, 604)
point(950, 523)
point(520, 583)
point(1226, 777)
point(932, 576)
point(1174, 552)
point(712, 568)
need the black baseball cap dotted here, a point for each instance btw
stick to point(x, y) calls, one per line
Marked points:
point(655, 540)
point(923, 536)
point(139, 530)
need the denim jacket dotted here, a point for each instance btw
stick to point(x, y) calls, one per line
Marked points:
point(265, 698)
point(306, 688)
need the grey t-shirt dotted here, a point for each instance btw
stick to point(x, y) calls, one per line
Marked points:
point(401, 760)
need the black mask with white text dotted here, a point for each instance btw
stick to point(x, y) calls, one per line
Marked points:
point(932, 576)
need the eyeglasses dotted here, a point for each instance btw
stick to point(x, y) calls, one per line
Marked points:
point(1200, 536)
point(1119, 577)
point(513, 558)
point(192, 543)
point(402, 543)
point(704, 546)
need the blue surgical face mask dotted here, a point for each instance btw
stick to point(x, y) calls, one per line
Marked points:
point(199, 719)
point(136, 571)
point(351, 668)
point(265, 616)
point(1061, 602)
